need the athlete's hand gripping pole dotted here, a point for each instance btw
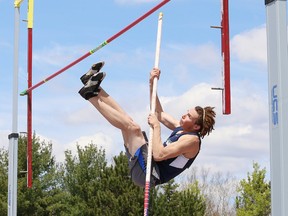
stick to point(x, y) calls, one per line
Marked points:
point(152, 110)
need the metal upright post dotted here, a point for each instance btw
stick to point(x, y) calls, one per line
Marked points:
point(225, 49)
point(13, 137)
point(29, 95)
point(278, 103)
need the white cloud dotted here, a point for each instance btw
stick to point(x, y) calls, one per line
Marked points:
point(101, 139)
point(250, 46)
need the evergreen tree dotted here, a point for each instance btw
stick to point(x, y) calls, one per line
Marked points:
point(98, 189)
point(165, 200)
point(129, 197)
point(168, 200)
point(254, 198)
point(82, 180)
point(191, 201)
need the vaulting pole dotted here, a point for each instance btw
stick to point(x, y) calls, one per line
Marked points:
point(97, 48)
point(29, 95)
point(13, 137)
point(152, 110)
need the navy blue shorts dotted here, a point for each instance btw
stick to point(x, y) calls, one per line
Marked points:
point(137, 167)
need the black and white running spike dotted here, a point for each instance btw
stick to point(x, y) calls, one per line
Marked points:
point(91, 89)
point(95, 68)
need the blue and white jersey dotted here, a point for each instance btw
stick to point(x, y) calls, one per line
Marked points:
point(172, 167)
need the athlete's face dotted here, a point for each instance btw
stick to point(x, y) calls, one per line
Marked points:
point(188, 120)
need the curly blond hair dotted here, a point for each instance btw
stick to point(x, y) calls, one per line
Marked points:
point(206, 120)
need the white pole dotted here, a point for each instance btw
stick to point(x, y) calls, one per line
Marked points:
point(152, 110)
point(278, 103)
point(13, 137)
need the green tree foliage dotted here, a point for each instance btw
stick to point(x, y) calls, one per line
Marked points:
point(82, 180)
point(165, 199)
point(254, 198)
point(168, 200)
point(97, 189)
point(84, 184)
point(39, 199)
point(129, 197)
point(192, 201)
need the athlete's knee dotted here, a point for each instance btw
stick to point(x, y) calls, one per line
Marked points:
point(134, 128)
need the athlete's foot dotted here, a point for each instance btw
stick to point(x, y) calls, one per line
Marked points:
point(93, 70)
point(92, 87)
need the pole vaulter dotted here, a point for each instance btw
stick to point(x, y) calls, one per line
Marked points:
point(152, 111)
point(25, 92)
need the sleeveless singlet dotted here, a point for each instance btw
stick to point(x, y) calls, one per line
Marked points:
point(172, 167)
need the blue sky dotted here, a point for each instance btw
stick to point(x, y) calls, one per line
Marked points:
point(190, 60)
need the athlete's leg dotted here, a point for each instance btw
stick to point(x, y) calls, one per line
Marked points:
point(110, 101)
point(116, 116)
